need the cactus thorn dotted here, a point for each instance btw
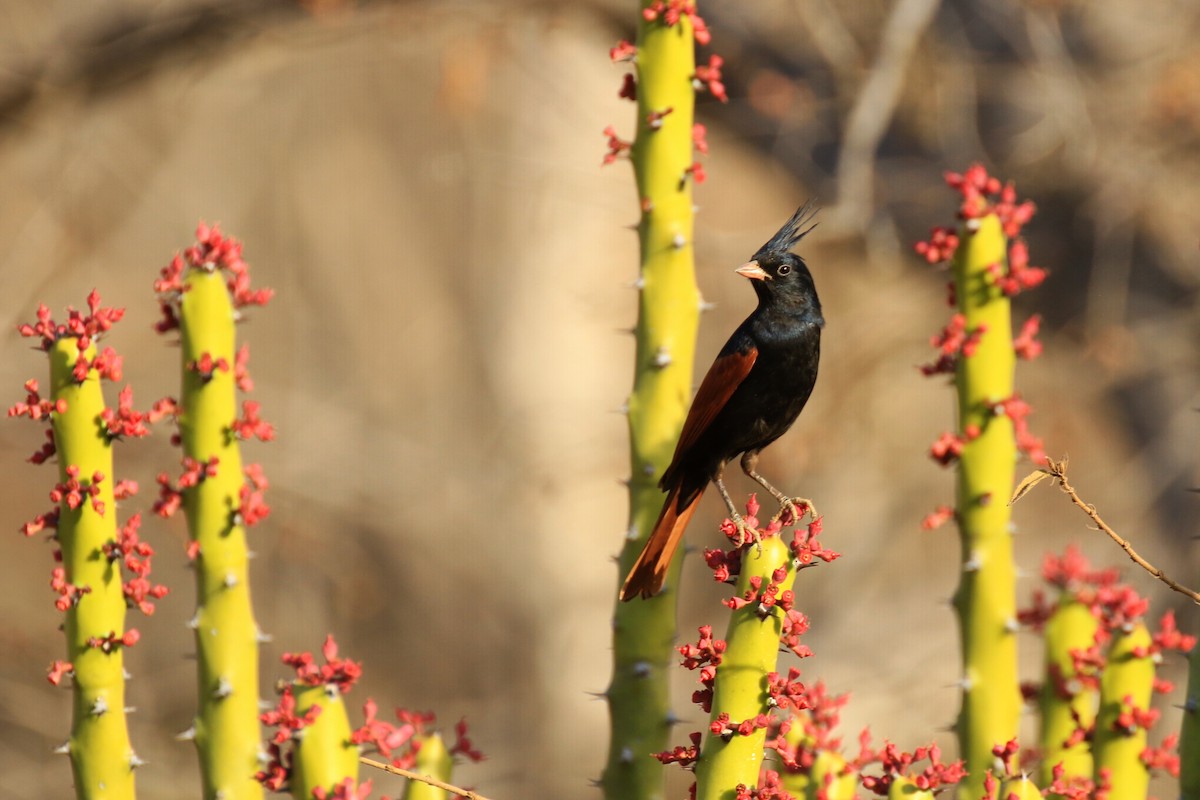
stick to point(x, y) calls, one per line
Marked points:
point(662, 358)
point(186, 735)
point(638, 283)
point(648, 469)
point(626, 756)
point(224, 688)
point(231, 580)
point(99, 707)
point(706, 306)
point(642, 669)
point(194, 622)
point(136, 761)
point(130, 709)
point(631, 533)
point(972, 224)
point(262, 638)
point(678, 241)
point(63, 749)
point(973, 563)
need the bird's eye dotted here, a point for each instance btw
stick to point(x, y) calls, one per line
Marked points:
point(784, 269)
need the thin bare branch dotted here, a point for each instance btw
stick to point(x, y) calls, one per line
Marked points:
point(1058, 471)
point(429, 779)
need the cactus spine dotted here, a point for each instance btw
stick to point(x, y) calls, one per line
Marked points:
point(668, 316)
point(102, 758)
point(986, 596)
point(729, 757)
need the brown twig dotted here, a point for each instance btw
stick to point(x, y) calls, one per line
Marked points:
point(432, 781)
point(1058, 471)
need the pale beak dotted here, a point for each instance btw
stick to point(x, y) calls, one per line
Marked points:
point(752, 270)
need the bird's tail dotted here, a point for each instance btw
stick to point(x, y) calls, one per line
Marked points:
point(650, 570)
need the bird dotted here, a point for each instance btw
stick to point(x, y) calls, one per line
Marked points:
point(754, 391)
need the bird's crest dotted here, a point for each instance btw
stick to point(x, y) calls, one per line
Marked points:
point(787, 236)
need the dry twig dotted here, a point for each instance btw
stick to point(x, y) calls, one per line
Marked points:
point(1058, 471)
point(415, 776)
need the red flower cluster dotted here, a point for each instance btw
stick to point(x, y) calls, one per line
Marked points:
point(134, 555)
point(897, 763)
point(671, 11)
point(212, 251)
point(709, 76)
point(341, 673)
point(85, 329)
point(954, 341)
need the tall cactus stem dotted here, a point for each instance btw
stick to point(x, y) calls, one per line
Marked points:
point(227, 727)
point(1065, 702)
point(102, 758)
point(986, 596)
point(1126, 686)
point(668, 317)
point(324, 757)
point(1189, 734)
point(433, 759)
point(729, 758)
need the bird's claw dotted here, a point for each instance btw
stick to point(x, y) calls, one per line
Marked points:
point(745, 533)
point(790, 510)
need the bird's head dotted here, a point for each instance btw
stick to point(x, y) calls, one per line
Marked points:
point(778, 273)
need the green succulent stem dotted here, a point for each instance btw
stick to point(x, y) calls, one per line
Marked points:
point(668, 317)
point(740, 689)
point(227, 726)
point(102, 757)
point(1128, 679)
point(1020, 788)
point(986, 597)
point(905, 789)
point(434, 760)
point(1063, 698)
point(324, 757)
point(1189, 734)
point(827, 779)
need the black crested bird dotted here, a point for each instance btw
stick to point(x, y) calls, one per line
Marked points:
point(751, 395)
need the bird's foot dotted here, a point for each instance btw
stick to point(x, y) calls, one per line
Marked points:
point(793, 509)
point(741, 532)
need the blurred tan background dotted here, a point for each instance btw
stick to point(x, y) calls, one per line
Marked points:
point(421, 184)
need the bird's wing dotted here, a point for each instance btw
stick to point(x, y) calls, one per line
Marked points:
point(723, 378)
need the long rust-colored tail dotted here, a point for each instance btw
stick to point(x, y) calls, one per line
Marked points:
point(650, 570)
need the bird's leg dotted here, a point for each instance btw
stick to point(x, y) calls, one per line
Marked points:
point(745, 532)
point(786, 504)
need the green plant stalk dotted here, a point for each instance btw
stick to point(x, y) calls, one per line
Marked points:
point(644, 631)
point(986, 597)
point(752, 651)
point(1020, 788)
point(433, 759)
point(1126, 674)
point(1189, 733)
point(1071, 626)
point(102, 758)
point(227, 726)
point(905, 789)
point(324, 756)
point(828, 772)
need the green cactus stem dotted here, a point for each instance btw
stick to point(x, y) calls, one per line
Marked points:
point(829, 779)
point(729, 758)
point(226, 728)
point(907, 789)
point(102, 758)
point(1125, 690)
point(324, 757)
point(668, 317)
point(986, 597)
point(1189, 734)
point(1020, 788)
point(433, 759)
point(1065, 702)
